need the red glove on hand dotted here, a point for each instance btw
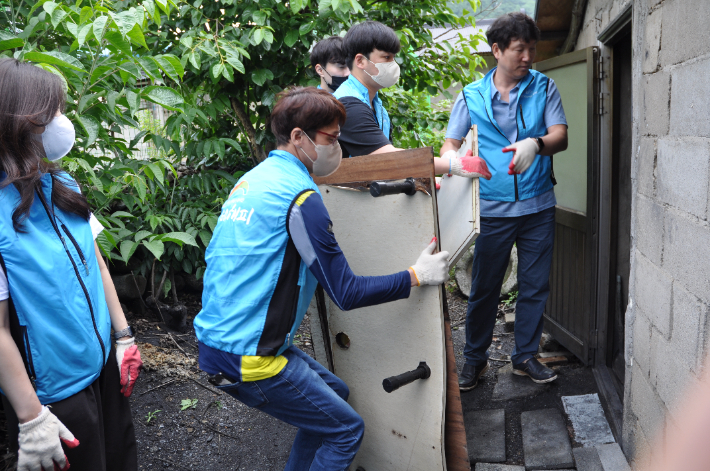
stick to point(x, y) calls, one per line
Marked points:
point(470, 166)
point(129, 364)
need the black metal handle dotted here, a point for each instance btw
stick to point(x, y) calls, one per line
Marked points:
point(395, 382)
point(395, 187)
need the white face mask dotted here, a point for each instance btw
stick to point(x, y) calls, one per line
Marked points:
point(329, 158)
point(388, 73)
point(58, 138)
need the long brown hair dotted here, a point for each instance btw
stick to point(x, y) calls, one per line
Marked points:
point(29, 98)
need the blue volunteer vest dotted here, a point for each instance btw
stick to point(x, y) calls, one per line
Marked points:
point(532, 98)
point(353, 88)
point(56, 292)
point(256, 287)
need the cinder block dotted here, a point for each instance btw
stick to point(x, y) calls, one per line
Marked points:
point(652, 42)
point(642, 342)
point(690, 112)
point(649, 228)
point(682, 174)
point(655, 94)
point(686, 251)
point(646, 404)
point(685, 32)
point(672, 377)
point(688, 319)
point(646, 173)
point(653, 293)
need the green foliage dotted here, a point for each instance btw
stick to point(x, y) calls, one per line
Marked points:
point(511, 299)
point(495, 8)
point(151, 416)
point(188, 404)
point(216, 67)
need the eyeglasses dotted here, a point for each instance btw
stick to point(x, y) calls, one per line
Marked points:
point(334, 136)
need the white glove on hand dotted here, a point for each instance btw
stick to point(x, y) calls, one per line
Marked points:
point(121, 347)
point(40, 443)
point(525, 152)
point(431, 268)
point(469, 166)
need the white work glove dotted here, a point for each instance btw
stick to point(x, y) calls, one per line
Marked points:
point(40, 446)
point(431, 268)
point(129, 364)
point(525, 152)
point(469, 166)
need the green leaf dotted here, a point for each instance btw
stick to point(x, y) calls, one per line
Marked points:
point(140, 235)
point(258, 36)
point(205, 237)
point(216, 70)
point(52, 69)
point(84, 34)
point(195, 60)
point(305, 28)
point(297, 5)
point(127, 249)
point(268, 36)
point(236, 63)
point(55, 58)
point(85, 15)
point(164, 96)
point(260, 17)
point(151, 68)
point(291, 38)
point(49, 7)
point(58, 16)
point(91, 125)
point(73, 29)
point(179, 238)
point(131, 68)
point(260, 76)
point(228, 72)
point(124, 21)
point(122, 214)
point(156, 247)
point(119, 42)
point(100, 26)
point(186, 41)
point(136, 36)
point(9, 41)
point(157, 173)
point(171, 66)
point(99, 73)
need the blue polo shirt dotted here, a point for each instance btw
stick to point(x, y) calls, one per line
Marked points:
point(505, 115)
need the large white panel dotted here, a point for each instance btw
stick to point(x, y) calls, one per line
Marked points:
point(379, 236)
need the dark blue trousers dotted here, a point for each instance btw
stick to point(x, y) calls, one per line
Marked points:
point(534, 235)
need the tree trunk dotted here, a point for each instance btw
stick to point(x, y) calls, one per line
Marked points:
point(258, 154)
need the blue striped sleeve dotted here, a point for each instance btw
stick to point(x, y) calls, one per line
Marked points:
point(311, 231)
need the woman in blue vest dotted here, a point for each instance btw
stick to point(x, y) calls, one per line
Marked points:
point(65, 387)
point(273, 243)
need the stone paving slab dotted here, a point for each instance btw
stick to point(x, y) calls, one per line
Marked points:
point(612, 457)
point(510, 386)
point(587, 459)
point(546, 443)
point(588, 419)
point(498, 467)
point(485, 435)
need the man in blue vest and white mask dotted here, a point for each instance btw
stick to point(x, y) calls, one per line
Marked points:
point(521, 124)
point(370, 49)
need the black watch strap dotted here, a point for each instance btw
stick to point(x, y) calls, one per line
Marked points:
point(540, 143)
point(127, 332)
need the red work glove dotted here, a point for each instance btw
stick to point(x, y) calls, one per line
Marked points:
point(470, 166)
point(129, 364)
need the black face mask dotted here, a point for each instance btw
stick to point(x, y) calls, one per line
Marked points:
point(335, 81)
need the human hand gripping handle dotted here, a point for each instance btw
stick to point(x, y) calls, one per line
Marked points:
point(40, 443)
point(469, 166)
point(129, 364)
point(431, 268)
point(525, 152)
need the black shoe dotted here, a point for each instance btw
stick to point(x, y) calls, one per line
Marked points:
point(468, 379)
point(535, 370)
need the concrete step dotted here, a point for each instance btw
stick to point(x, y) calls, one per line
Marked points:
point(612, 457)
point(498, 467)
point(546, 442)
point(588, 420)
point(587, 459)
point(509, 386)
point(485, 435)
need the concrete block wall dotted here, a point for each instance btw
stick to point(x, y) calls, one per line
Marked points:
point(667, 321)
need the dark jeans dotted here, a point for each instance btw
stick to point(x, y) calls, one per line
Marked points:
point(534, 235)
point(100, 418)
point(310, 397)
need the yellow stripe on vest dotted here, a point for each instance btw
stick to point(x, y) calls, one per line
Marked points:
point(303, 197)
point(257, 368)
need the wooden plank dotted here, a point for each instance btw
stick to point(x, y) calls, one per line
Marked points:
point(454, 432)
point(414, 163)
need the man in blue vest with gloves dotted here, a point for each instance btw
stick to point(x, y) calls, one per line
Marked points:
point(519, 114)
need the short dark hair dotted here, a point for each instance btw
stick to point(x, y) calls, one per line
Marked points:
point(328, 50)
point(307, 108)
point(516, 25)
point(365, 37)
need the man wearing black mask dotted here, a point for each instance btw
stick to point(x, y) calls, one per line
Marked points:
point(328, 61)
